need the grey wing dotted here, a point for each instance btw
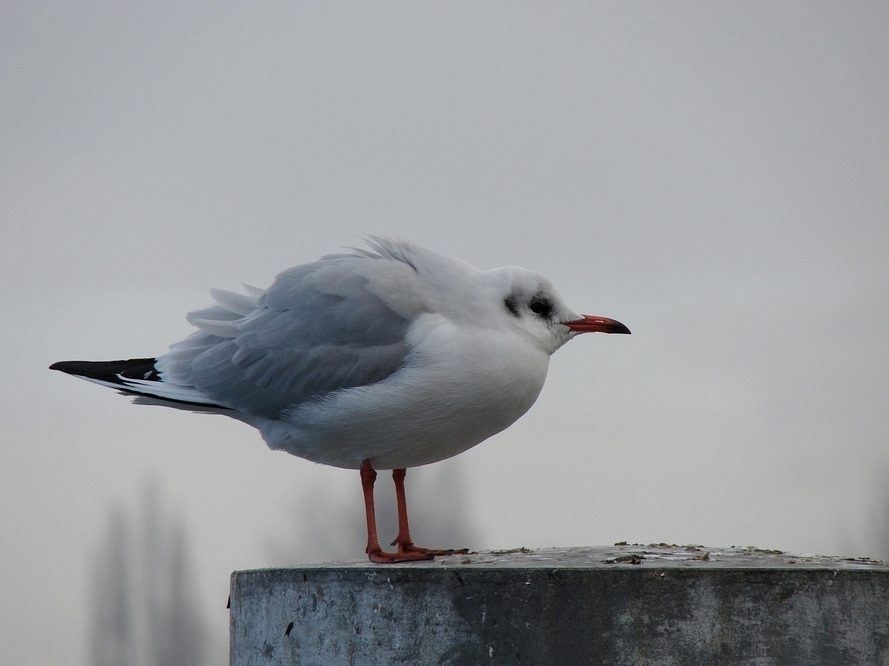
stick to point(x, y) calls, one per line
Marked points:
point(316, 330)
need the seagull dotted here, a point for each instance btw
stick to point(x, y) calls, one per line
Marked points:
point(384, 358)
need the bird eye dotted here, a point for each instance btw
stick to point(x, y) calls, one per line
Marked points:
point(540, 308)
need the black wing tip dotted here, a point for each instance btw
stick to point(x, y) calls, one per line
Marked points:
point(115, 373)
point(69, 367)
point(135, 368)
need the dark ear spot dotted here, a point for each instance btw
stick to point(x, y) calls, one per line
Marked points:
point(512, 304)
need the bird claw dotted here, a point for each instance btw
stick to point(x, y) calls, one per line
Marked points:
point(410, 553)
point(411, 548)
point(383, 557)
point(436, 551)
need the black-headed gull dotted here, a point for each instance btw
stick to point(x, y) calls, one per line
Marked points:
point(387, 358)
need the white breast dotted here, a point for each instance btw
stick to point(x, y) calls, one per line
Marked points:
point(460, 386)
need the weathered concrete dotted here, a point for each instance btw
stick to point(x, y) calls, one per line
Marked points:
point(619, 605)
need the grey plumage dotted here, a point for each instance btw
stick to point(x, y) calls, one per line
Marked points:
point(317, 329)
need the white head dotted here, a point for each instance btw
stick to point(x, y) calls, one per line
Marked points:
point(509, 298)
point(528, 302)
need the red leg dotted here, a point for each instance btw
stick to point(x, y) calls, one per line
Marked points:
point(403, 540)
point(374, 552)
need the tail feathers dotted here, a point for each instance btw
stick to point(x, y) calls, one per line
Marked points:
point(136, 376)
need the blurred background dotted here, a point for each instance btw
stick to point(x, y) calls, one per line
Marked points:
point(714, 176)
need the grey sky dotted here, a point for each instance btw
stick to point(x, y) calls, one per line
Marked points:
point(713, 176)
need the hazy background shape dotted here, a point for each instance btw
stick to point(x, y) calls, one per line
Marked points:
point(144, 608)
point(712, 175)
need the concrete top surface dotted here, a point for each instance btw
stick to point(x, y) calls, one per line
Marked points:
point(618, 605)
point(652, 556)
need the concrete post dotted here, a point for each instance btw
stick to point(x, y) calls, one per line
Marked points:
point(662, 604)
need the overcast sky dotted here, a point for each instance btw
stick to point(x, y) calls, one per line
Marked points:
point(716, 176)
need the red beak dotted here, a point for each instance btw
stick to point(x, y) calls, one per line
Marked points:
point(592, 324)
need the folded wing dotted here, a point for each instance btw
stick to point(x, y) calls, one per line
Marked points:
point(316, 330)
